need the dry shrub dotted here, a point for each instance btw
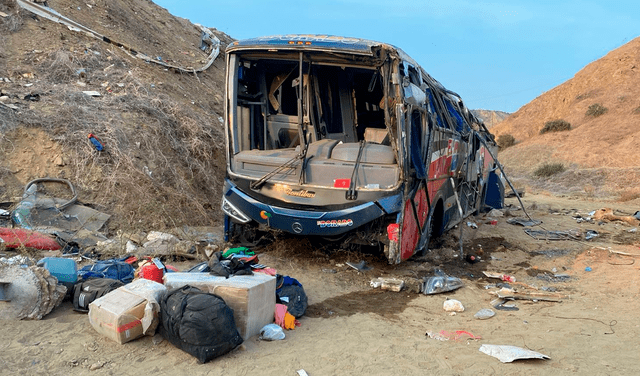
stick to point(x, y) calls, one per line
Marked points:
point(13, 22)
point(637, 111)
point(506, 140)
point(589, 190)
point(8, 121)
point(628, 195)
point(558, 125)
point(596, 110)
point(549, 169)
point(61, 66)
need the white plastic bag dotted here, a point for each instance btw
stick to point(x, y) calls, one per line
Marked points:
point(271, 332)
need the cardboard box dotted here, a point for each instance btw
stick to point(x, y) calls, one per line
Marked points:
point(252, 297)
point(128, 312)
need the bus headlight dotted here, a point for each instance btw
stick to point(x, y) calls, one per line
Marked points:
point(233, 212)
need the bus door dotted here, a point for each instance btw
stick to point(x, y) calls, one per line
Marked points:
point(417, 203)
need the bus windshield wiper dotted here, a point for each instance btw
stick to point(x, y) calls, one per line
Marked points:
point(286, 165)
point(352, 194)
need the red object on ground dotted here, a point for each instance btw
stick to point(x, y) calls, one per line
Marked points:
point(151, 271)
point(458, 334)
point(16, 237)
point(508, 278)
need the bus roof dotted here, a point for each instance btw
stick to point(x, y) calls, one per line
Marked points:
point(313, 42)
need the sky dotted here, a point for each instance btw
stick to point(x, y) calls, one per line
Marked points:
point(497, 55)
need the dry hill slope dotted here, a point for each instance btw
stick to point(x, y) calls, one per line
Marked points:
point(164, 163)
point(600, 151)
point(491, 118)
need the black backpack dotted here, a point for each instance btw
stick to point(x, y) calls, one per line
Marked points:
point(198, 323)
point(291, 293)
point(294, 297)
point(84, 292)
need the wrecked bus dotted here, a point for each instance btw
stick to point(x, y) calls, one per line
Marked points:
point(349, 140)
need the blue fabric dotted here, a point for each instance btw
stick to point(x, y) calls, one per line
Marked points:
point(288, 281)
point(113, 269)
point(456, 116)
point(416, 156)
point(433, 106)
point(282, 281)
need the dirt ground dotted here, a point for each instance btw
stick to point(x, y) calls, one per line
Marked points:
point(352, 329)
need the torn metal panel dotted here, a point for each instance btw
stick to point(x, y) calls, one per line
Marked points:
point(507, 353)
point(63, 217)
point(525, 222)
point(550, 235)
point(31, 292)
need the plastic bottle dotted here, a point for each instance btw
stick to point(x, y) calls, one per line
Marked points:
point(96, 142)
point(22, 213)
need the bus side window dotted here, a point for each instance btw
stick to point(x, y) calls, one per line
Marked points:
point(438, 118)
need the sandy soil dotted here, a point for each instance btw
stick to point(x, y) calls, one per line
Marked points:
point(352, 329)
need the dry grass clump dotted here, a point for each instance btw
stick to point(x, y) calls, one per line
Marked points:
point(558, 125)
point(13, 22)
point(628, 195)
point(62, 66)
point(549, 169)
point(596, 110)
point(8, 121)
point(506, 140)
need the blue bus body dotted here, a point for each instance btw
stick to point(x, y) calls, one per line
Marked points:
point(349, 139)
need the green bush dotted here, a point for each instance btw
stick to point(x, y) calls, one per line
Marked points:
point(549, 169)
point(596, 110)
point(506, 140)
point(558, 125)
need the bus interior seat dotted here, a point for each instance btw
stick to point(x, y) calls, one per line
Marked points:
point(376, 135)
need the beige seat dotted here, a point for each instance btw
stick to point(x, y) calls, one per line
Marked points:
point(376, 135)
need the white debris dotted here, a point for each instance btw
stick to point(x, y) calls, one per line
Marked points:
point(452, 305)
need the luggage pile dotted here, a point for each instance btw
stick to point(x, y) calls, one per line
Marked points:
point(206, 311)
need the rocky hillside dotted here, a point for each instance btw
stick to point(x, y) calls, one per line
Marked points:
point(491, 118)
point(600, 150)
point(162, 165)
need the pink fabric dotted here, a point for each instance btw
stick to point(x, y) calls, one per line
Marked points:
point(281, 312)
point(270, 271)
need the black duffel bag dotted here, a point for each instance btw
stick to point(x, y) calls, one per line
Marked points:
point(198, 323)
point(86, 291)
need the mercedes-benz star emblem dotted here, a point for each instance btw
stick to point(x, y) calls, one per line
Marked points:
point(297, 227)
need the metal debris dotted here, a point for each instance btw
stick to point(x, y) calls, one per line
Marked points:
point(525, 222)
point(32, 292)
point(507, 353)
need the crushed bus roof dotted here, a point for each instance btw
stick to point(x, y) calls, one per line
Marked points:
point(309, 40)
point(317, 42)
